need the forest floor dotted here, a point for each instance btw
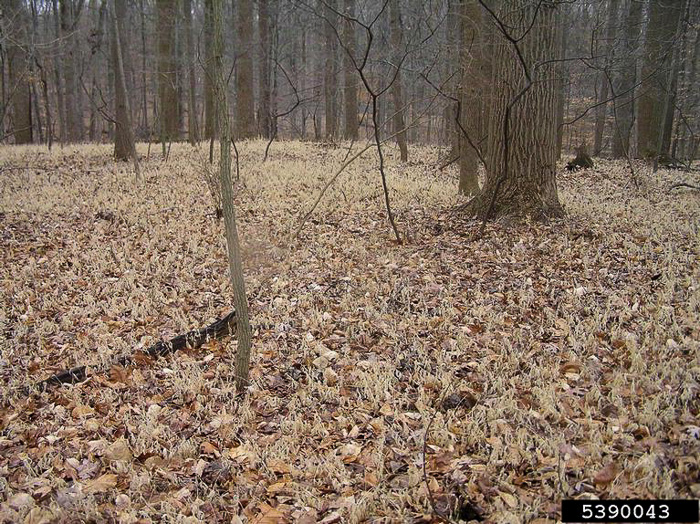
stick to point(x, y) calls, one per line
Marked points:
point(449, 377)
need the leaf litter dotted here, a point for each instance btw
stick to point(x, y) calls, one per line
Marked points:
point(477, 380)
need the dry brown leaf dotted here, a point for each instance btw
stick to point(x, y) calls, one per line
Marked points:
point(21, 501)
point(280, 487)
point(118, 450)
point(39, 516)
point(349, 452)
point(101, 483)
point(606, 475)
point(82, 411)
point(330, 376)
point(278, 466)
point(509, 499)
point(268, 515)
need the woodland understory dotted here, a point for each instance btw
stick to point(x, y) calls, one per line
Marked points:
point(453, 377)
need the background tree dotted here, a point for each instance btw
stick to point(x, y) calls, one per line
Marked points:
point(625, 79)
point(330, 79)
point(192, 123)
point(350, 88)
point(608, 49)
point(243, 331)
point(210, 123)
point(245, 107)
point(19, 73)
point(398, 120)
point(664, 17)
point(264, 69)
point(472, 107)
point(124, 142)
point(167, 71)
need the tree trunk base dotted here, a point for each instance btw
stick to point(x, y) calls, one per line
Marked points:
point(514, 207)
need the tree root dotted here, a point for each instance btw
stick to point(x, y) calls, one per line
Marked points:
point(193, 339)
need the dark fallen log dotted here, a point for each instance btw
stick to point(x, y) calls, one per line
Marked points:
point(193, 339)
point(683, 184)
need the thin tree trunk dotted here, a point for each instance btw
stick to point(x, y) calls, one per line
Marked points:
point(350, 89)
point(264, 71)
point(20, 84)
point(397, 88)
point(243, 331)
point(603, 89)
point(562, 79)
point(167, 77)
point(472, 125)
point(624, 81)
point(192, 124)
point(662, 25)
point(124, 144)
point(330, 80)
point(69, 21)
point(245, 107)
point(664, 137)
point(210, 123)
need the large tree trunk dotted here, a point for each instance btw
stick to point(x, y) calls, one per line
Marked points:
point(661, 30)
point(243, 331)
point(624, 81)
point(20, 85)
point(330, 76)
point(521, 178)
point(210, 123)
point(245, 107)
point(397, 87)
point(350, 80)
point(167, 70)
point(124, 146)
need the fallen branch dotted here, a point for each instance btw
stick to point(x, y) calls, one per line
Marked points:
point(683, 184)
point(221, 328)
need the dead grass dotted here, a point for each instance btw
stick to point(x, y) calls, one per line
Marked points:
point(550, 361)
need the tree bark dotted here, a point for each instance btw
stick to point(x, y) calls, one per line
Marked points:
point(245, 106)
point(210, 123)
point(192, 124)
point(167, 70)
point(661, 29)
point(350, 81)
point(20, 84)
point(264, 70)
point(562, 78)
point(330, 77)
point(624, 81)
point(243, 330)
point(472, 118)
point(602, 77)
point(521, 178)
point(397, 87)
point(124, 145)
point(70, 17)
